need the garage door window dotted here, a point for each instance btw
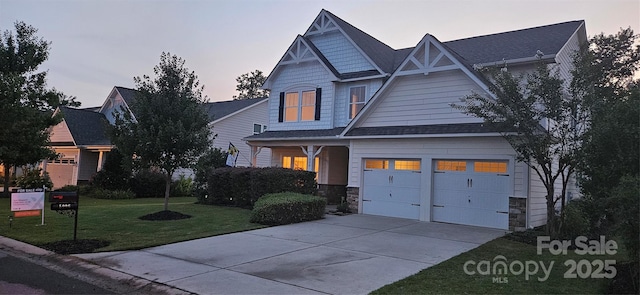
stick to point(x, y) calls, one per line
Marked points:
point(407, 165)
point(376, 164)
point(451, 165)
point(491, 167)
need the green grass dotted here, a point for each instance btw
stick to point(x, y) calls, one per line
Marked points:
point(449, 277)
point(117, 222)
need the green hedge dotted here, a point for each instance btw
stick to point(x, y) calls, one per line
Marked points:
point(242, 187)
point(286, 208)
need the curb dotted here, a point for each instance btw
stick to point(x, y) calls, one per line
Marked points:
point(78, 268)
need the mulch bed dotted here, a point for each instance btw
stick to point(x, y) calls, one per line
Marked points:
point(75, 247)
point(164, 215)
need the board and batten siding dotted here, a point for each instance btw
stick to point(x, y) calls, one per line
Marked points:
point(238, 126)
point(423, 100)
point(311, 75)
point(60, 133)
point(429, 149)
point(340, 52)
point(342, 99)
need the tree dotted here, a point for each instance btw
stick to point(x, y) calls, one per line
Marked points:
point(169, 128)
point(249, 86)
point(606, 74)
point(521, 103)
point(27, 103)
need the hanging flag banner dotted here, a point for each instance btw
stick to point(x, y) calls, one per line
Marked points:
point(232, 155)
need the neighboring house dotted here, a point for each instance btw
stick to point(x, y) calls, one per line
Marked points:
point(233, 120)
point(82, 142)
point(377, 124)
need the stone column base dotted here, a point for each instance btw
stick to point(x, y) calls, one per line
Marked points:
point(517, 214)
point(353, 196)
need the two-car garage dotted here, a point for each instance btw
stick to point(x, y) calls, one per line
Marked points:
point(471, 192)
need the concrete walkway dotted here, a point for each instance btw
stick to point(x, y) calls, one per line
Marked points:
point(352, 254)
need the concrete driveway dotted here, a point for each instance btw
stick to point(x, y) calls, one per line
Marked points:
point(352, 254)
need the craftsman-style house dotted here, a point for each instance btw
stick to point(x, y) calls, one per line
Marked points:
point(377, 124)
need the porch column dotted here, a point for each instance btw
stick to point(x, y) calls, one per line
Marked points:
point(255, 150)
point(100, 161)
point(311, 154)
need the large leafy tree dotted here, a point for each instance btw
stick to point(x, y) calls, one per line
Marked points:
point(519, 107)
point(169, 128)
point(26, 104)
point(249, 85)
point(606, 75)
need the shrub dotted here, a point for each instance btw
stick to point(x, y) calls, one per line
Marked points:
point(242, 187)
point(148, 184)
point(286, 208)
point(182, 187)
point(99, 193)
point(576, 221)
point(68, 188)
point(34, 178)
point(211, 159)
point(113, 175)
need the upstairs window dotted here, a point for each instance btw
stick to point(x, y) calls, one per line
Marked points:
point(291, 107)
point(356, 100)
point(303, 105)
point(259, 128)
point(308, 106)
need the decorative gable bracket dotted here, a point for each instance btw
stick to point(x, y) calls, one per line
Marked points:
point(298, 52)
point(321, 25)
point(428, 56)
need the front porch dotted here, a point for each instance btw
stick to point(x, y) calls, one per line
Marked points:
point(328, 158)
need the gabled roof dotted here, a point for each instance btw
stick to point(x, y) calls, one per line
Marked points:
point(128, 94)
point(221, 109)
point(466, 128)
point(517, 44)
point(296, 134)
point(87, 127)
point(301, 50)
point(381, 54)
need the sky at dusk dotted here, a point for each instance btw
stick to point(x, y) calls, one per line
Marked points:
point(104, 43)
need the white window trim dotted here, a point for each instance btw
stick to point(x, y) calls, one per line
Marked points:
point(349, 100)
point(299, 89)
point(263, 128)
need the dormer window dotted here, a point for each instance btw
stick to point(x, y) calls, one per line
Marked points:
point(356, 100)
point(302, 105)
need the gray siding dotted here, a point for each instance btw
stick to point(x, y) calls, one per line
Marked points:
point(341, 53)
point(238, 126)
point(341, 105)
point(309, 75)
point(423, 100)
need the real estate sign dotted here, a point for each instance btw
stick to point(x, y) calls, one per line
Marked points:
point(28, 203)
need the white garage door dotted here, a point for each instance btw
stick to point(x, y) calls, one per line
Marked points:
point(392, 188)
point(471, 192)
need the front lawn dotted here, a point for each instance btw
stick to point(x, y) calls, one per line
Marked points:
point(116, 221)
point(450, 277)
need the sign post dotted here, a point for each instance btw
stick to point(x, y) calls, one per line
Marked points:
point(27, 202)
point(66, 202)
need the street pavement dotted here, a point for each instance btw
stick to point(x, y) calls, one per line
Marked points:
point(21, 276)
